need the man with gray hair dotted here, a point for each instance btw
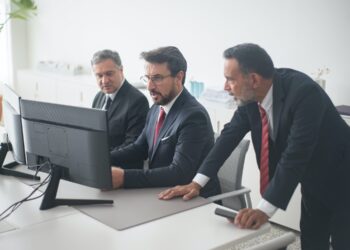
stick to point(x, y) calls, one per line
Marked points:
point(126, 106)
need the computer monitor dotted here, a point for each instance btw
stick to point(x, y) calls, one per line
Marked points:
point(14, 139)
point(75, 142)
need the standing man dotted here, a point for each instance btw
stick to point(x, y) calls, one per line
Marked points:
point(298, 137)
point(178, 132)
point(126, 106)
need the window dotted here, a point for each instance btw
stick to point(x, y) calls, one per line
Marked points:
point(5, 49)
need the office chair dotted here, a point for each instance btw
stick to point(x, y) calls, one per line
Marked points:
point(234, 195)
point(277, 243)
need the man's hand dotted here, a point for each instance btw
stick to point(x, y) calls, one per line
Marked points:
point(187, 191)
point(250, 218)
point(117, 177)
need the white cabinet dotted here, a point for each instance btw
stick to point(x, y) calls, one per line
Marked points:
point(70, 90)
point(36, 87)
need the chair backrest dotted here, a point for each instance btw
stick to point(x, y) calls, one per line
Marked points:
point(230, 175)
point(277, 243)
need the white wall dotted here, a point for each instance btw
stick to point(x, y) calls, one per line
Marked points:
point(305, 35)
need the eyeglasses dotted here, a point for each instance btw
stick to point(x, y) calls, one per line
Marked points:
point(156, 79)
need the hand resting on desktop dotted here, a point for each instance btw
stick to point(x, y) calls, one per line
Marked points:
point(187, 192)
point(249, 218)
point(117, 177)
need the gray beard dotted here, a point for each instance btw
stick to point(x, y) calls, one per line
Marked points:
point(240, 102)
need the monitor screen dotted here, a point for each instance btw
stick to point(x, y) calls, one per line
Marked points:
point(73, 139)
point(13, 124)
point(14, 141)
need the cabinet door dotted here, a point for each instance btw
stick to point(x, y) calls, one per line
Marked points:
point(87, 95)
point(45, 89)
point(35, 86)
point(26, 85)
point(68, 93)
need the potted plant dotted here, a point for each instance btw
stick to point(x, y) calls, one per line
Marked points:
point(22, 9)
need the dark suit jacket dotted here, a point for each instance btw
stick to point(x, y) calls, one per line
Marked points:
point(183, 142)
point(126, 115)
point(309, 145)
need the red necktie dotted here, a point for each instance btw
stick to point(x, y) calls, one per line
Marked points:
point(159, 124)
point(264, 153)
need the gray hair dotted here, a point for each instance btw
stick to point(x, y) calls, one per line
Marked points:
point(103, 55)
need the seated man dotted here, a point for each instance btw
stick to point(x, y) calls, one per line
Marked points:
point(127, 106)
point(178, 132)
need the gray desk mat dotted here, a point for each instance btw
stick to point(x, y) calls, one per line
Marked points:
point(133, 207)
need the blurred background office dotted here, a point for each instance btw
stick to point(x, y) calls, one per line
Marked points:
point(47, 57)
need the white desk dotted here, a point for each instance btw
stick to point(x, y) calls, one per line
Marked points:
point(67, 228)
point(12, 190)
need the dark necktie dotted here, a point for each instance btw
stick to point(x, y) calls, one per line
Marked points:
point(264, 153)
point(108, 103)
point(159, 124)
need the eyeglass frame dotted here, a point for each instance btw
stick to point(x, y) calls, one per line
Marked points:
point(155, 79)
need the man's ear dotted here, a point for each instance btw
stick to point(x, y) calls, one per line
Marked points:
point(179, 77)
point(256, 80)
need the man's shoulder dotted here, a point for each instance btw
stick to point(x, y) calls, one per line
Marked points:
point(98, 98)
point(133, 91)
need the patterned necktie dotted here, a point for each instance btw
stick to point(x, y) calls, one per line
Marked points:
point(264, 153)
point(108, 103)
point(159, 124)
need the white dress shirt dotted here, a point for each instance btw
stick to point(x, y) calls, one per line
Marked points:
point(169, 105)
point(263, 205)
point(112, 95)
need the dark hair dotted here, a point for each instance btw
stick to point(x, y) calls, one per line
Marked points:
point(170, 55)
point(102, 55)
point(251, 58)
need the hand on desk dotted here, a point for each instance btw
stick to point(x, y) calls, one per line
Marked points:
point(187, 191)
point(250, 218)
point(117, 177)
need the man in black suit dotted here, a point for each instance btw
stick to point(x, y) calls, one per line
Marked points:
point(178, 132)
point(298, 137)
point(127, 106)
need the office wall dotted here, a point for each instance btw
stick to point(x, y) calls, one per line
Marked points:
point(305, 35)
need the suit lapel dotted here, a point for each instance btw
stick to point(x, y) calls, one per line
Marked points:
point(118, 99)
point(101, 100)
point(278, 104)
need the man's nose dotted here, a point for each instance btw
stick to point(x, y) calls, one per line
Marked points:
point(150, 85)
point(226, 86)
point(104, 79)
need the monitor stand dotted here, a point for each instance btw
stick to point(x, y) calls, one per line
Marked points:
point(6, 169)
point(50, 200)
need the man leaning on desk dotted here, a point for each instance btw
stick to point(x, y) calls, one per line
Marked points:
point(126, 106)
point(298, 137)
point(178, 132)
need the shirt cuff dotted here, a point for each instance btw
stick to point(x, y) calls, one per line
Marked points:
point(201, 179)
point(267, 207)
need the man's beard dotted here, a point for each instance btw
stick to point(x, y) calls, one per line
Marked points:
point(240, 102)
point(165, 99)
point(248, 96)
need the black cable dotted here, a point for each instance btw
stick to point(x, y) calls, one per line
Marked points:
point(29, 197)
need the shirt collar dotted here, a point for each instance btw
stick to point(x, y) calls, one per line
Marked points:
point(168, 106)
point(267, 101)
point(112, 95)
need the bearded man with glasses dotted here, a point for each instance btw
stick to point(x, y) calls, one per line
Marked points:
point(178, 132)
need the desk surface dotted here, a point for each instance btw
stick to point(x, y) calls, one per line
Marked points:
point(67, 228)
